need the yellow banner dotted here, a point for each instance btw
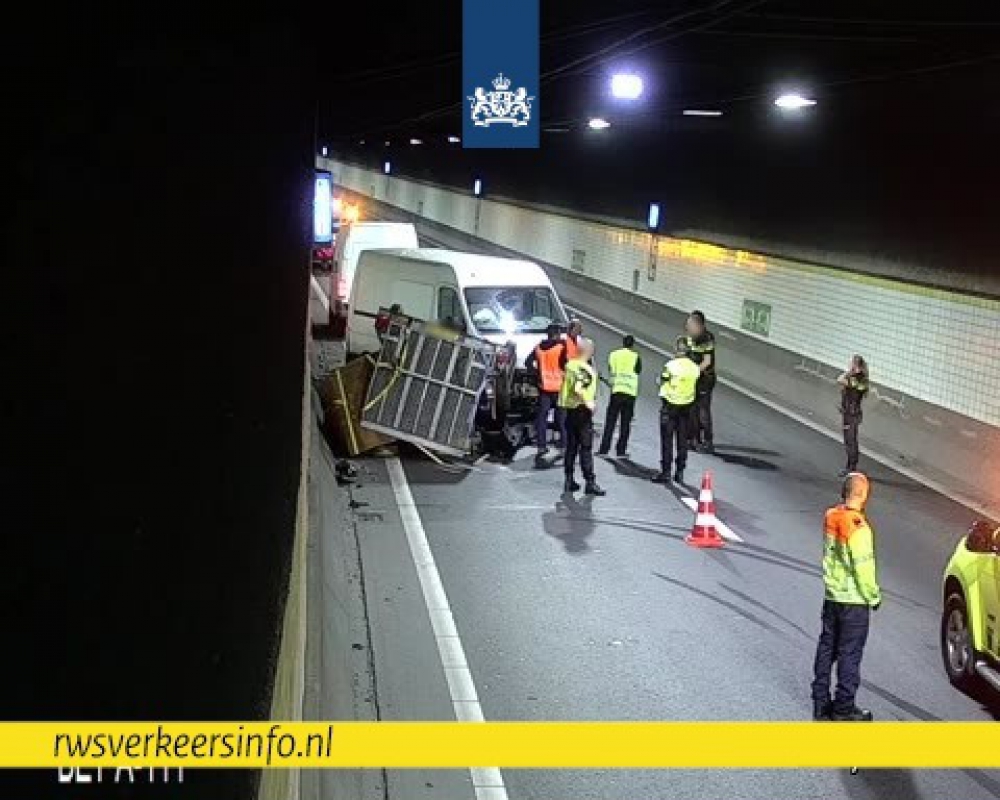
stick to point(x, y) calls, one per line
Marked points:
point(500, 744)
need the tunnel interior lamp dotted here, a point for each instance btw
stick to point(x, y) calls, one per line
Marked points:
point(793, 101)
point(387, 167)
point(626, 86)
point(477, 188)
point(653, 217)
point(454, 139)
point(598, 124)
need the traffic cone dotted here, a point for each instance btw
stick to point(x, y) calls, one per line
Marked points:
point(704, 533)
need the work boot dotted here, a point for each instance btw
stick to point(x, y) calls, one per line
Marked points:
point(679, 476)
point(822, 711)
point(593, 489)
point(661, 477)
point(854, 715)
point(570, 486)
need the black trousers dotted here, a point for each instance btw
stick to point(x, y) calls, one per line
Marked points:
point(851, 424)
point(623, 406)
point(580, 442)
point(701, 413)
point(546, 401)
point(842, 642)
point(674, 423)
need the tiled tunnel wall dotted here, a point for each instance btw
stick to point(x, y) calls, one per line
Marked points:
point(938, 345)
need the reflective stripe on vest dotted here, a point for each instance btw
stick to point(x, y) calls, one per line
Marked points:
point(580, 382)
point(549, 369)
point(623, 378)
point(680, 379)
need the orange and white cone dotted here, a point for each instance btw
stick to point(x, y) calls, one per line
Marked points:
point(705, 533)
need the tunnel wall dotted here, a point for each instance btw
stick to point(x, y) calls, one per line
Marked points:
point(907, 331)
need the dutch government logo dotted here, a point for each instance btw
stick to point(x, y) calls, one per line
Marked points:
point(501, 106)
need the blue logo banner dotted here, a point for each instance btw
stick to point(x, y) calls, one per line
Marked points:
point(500, 102)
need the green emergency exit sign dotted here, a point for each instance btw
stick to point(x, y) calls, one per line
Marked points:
point(756, 317)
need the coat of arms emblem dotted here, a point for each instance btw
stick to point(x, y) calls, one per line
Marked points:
point(501, 106)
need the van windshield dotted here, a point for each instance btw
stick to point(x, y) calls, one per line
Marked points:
point(513, 309)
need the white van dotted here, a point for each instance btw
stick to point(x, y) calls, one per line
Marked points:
point(498, 299)
point(353, 240)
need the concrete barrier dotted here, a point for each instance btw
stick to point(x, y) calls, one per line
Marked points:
point(289, 680)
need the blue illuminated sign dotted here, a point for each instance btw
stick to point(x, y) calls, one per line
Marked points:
point(323, 208)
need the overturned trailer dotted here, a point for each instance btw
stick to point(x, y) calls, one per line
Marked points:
point(436, 387)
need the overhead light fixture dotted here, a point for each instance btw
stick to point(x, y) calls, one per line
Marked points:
point(626, 86)
point(416, 141)
point(324, 151)
point(361, 142)
point(793, 101)
point(387, 167)
point(701, 112)
point(598, 124)
point(454, 139)
point(386, 142)
point(653, 218)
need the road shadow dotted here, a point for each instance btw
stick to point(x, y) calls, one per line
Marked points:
point(987, 699)
point(755, 451)
point(630, 469)
point(750, 462)
point(878, 784)
point(572, 523)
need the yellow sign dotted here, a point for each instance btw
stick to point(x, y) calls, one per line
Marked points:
point(635, 745)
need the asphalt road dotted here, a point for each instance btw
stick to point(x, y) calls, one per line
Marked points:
point(582, 609)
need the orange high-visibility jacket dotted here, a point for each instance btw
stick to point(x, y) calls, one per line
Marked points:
point(549, 367)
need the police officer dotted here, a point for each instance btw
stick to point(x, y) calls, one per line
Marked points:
point(548, 359)
point(625, 366)
point(854, 383)
point(678, 385)
point(579, 399)
point(701, 343)
point(851, 594)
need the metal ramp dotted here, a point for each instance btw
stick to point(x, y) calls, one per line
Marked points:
point(426, 385)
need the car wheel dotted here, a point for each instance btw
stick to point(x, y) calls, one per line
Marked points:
point(956, 642)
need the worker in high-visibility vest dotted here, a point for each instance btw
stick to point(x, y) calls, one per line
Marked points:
point(624, 366)
point(578, 397)
point(572, 338)
point(851, 593)
point(678, 386)
point(548, 360)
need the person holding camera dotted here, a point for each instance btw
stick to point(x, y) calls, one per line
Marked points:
point(854, 387)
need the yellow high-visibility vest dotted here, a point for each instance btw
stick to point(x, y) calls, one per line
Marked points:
point(579, 382)
point(622, 363)
point(679, 381)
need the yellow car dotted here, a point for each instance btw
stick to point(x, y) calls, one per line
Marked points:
point(970, 624)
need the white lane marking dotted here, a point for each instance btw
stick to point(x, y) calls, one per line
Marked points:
point(487, 781)
point(724, 530)
point(885, 461)
point(323, 299)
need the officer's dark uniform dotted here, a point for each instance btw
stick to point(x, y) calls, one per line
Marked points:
point(701, 414)
point(854, 391)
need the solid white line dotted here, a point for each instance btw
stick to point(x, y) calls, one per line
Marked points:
point(724, 530)
point(885, 461)
point(487, 781)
